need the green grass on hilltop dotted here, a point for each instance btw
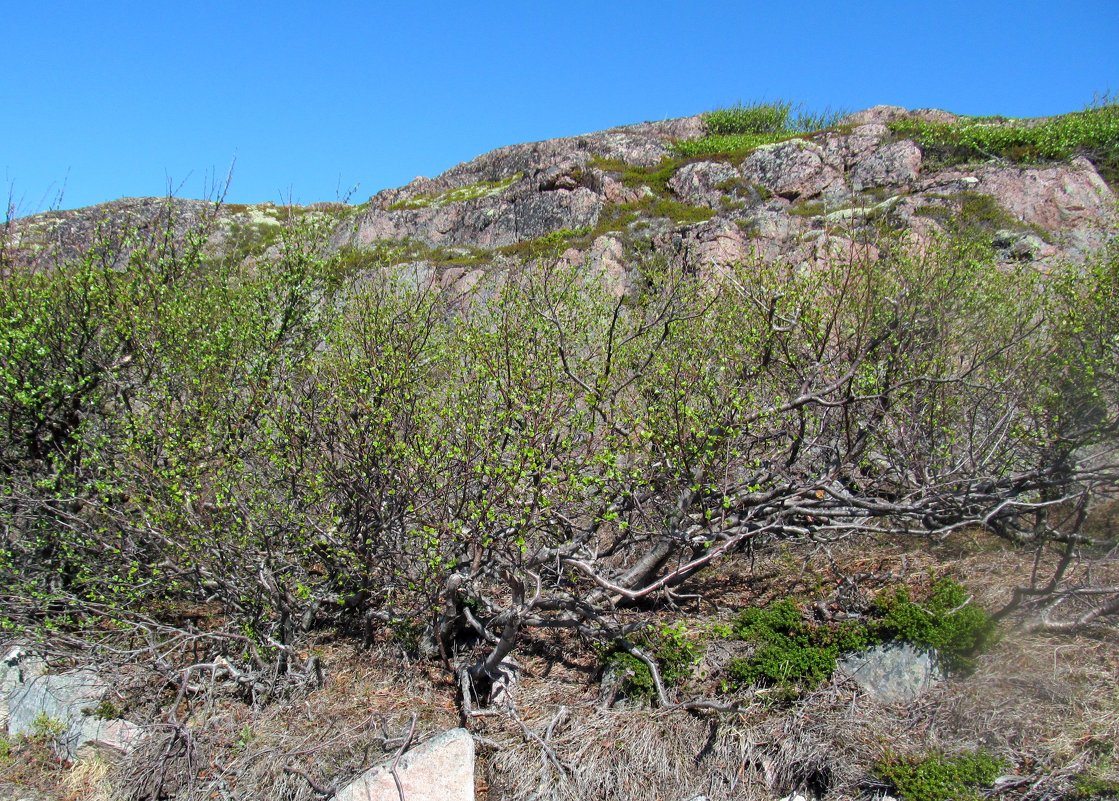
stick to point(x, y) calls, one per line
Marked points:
point(737, 130)
point(1093, 133)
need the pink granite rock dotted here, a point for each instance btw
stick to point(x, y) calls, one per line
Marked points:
point(441, 769)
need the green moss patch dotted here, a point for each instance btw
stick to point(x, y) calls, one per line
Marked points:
point(938, 777)
point(1088, 787)
point(792, 653)
point(671, 647)
point(948, 621)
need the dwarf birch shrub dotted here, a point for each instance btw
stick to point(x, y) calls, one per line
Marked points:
point(305, 440)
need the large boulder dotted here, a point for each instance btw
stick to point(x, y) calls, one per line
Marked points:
point(844, 149)
point(63, 707)
point(541, 213)
point(56, 705)
point(494, 218)
point(18, 665)
point(606, 261)
point(885, 114)
point(703, 183)
point(711, 246)
point(441, 769)
point(1057, 197)
point(1069, 203)
point(894, 165)
point(796, 169)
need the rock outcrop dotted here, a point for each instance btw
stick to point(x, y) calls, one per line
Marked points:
point(610, 190)
point(895, 673)
point(68, 708)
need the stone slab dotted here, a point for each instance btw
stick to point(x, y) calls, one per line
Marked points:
point(441, 769)
point(59, 700)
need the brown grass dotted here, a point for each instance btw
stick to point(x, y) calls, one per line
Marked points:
point(1048, 704)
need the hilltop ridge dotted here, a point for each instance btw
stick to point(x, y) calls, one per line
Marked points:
point(799, 196)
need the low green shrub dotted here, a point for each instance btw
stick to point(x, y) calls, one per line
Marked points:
point(809, 208)
point(947, 622)
point(550, 245)
point(939, 777)
point(406, 633)
point(679, 213)
point(674, 650)
point(1087, 787)
point(389, 253)
point(48, 728)
point(106, 710)
point(792, 653)
point(1093, 133)
point(670, 647)
point(636, 680)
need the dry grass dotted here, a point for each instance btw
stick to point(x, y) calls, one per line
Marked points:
point(88, 780)
point(1048, 704)
point(331, 734)
point(1043, 702)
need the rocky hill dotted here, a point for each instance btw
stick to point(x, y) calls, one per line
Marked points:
point(804, 198)
point(748, 455)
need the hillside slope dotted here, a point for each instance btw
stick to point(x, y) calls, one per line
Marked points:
point(737, 456)
point(589, 198)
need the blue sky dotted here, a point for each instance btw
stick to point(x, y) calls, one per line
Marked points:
point(110, 99)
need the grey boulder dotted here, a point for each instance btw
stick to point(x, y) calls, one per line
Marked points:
point(892, 673)
point(61, 706)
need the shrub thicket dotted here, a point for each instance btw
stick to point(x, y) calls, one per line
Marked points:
point(307, 439)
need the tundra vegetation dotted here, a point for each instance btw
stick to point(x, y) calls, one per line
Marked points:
point(737, 130)
point(1092, 133)
point(206, 462)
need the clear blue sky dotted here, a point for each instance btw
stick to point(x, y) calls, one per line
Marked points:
point(112, 99)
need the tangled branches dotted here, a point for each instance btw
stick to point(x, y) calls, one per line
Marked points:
point(303, 440)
